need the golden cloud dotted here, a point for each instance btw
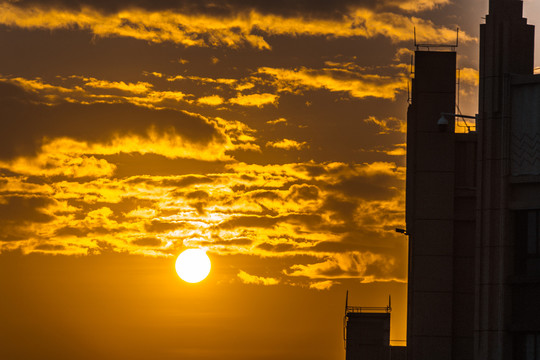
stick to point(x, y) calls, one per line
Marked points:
point(469, 76)
point(230, 31)
point(399, 150)
point(357, 85)
point(277, 121)
point(255, 99)
point(387, 125)
point(347, 265)
point(139, 93)
point(322, 285)
point(212, 100)
point(60, 164)
point(257, 280)
point(137, 88)
point(287, 144)
point(307, 209)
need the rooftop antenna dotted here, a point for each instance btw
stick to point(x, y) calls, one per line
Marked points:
point(345, 320)
point(346, 301)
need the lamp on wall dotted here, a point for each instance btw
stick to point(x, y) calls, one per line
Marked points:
point(442, 123)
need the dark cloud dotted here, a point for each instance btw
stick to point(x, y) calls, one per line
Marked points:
point(231, 242)
point(265, 195)
point(180, 181)
point(187, 181)
point(338, 247)
point(380, 186)
point(157, 226)
point(26, 124)
point(276, 247)
point(341, 210)
point(249, 221)
point(311, 221)
point(147, 241)
point(197, 195)
point(50, 247)
point(17, 212)
point(304, 192)
point(71, 231)
point(18, 209)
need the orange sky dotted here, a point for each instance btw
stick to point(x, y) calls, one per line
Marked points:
point(271, 134)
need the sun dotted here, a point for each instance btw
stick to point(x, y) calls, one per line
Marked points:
point(193, 265)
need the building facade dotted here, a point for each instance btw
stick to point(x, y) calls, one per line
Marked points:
point(473, 202)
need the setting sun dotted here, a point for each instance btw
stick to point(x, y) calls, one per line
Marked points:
point(193, 265)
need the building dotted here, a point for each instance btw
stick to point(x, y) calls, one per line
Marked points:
point(366, 331)
point(473, 202)
point(440, 215)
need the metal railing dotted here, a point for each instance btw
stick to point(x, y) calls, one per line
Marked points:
point(368, 309)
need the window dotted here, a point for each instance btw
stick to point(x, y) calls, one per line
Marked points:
point(533, 232)
point(527, 231)
point(528, 346)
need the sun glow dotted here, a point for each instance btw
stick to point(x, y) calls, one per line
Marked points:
point(193, 265)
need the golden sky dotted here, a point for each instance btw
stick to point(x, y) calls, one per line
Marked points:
point(271, 133)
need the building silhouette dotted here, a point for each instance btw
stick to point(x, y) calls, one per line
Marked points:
point(473, 201)
point(440, 215)
point(366, 331)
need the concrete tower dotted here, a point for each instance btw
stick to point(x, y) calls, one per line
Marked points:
point(440, 216)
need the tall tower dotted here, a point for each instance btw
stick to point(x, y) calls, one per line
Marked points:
point(440, 216)
point(506, 50)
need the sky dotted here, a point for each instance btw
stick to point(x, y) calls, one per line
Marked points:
point(270, 134)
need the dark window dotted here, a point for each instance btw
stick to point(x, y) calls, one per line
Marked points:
point(528, 346)
point(527, 230)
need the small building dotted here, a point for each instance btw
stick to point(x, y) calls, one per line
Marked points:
point(367, 334)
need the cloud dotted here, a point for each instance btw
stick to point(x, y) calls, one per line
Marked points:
point(366, 266)
point(417, 5)
point(136, 88)
point(82, 90)
point(212, 100)
point(258, 100)
point(399, 150)
point(232, 30)
point(403, 54)
point(277, 121)
point(287, 144)
point(256, 280)
point(73, 133)
point(387, 125)
point(316, 8)
point(322, 285)
point(338, 80)
point(59, 162)
point(469, 76)
point(147, 241)
point(309, 215)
